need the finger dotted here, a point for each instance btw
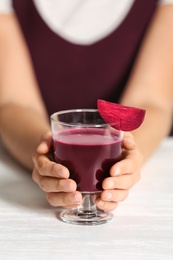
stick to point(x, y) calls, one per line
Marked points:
point(106, 205)
point(45, 167)
point(49, 184)
point(64, 199)
point(125, 166)
point(114, 195)
point(133, 159)
point(124, 182)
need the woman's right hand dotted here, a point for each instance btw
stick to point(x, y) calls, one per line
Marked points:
point(53, 178)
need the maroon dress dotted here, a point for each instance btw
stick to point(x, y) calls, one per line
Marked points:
point(73, 75)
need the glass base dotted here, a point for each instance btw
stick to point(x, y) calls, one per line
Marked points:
point(87, 213)
point(75, 216)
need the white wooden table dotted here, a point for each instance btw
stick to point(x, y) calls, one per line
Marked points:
point(142, 227)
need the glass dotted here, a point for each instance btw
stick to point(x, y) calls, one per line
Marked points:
point(88, 147)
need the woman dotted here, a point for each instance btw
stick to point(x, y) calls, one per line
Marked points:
point(66, 54)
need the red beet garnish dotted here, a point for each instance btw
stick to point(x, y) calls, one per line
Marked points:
point(127, 118)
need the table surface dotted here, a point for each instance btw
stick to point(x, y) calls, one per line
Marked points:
point(142, 227)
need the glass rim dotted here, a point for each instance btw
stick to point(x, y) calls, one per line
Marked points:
point(73, 110)
point(61, 112)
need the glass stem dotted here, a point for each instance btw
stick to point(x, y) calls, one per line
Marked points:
point(88, 204)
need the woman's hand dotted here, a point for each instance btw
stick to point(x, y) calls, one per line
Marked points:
point(53, 178)
point(124, 174)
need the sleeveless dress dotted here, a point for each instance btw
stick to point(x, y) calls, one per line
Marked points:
point(71, 75)
point(75, 76)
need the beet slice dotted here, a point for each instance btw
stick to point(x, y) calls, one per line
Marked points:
point(127, 118)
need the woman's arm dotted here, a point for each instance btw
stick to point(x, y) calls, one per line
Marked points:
point(23, 116)
point(151, 83)
point(150, 87)
point(23, 119)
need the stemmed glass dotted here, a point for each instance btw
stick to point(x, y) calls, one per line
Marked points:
point(88, 147)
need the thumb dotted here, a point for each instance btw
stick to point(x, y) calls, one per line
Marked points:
point(45, 144)
point(128, 142)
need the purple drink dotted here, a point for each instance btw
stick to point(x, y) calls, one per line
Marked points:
point(88, 153)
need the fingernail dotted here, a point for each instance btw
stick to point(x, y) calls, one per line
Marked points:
point(117, 171)
point(75, 198)
point(101, 203)
point(108, 196)
point(130, 140)
point(110, 185)
point(68, 185)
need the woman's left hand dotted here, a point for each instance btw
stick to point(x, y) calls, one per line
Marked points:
point(123, 175)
